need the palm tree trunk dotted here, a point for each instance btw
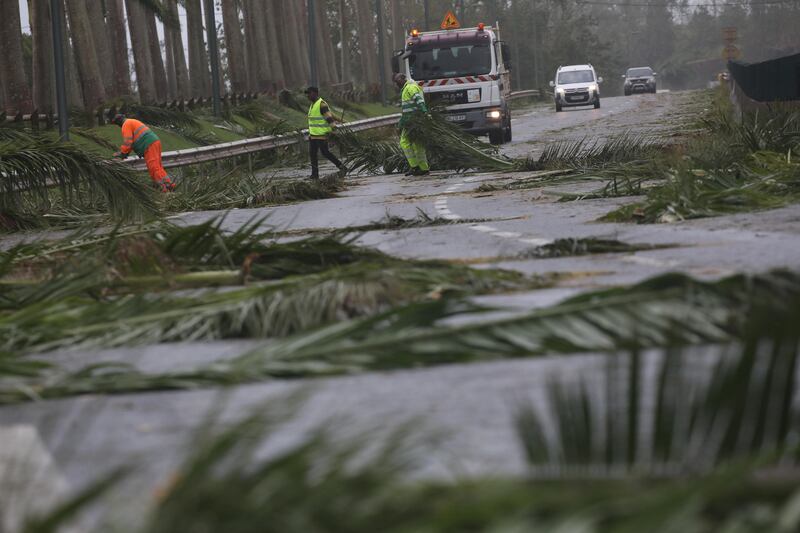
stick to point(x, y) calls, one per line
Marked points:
point(199, 73)
point(398, 32)
point(296, 19)
point(141, 52)
point(43, 69)
point(273, 47)
point(366, 42)
point(169, 64)
point(235, 46)
point(344, 37)
point(18, 94)
point(118, 40)
point(325, 55)
point(101, 41)
point(287, 54)
point(184, 88)
point(154, 45)
point(257, 49)
point(86, 54)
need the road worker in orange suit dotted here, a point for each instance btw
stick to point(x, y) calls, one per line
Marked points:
point(137, 137)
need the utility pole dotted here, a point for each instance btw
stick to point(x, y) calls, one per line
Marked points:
point(381, 66)
point(57, 16)
point(312, 43)
point(213, 52)
point(427, 15)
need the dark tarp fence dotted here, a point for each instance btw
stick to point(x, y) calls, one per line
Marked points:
point(769, 81)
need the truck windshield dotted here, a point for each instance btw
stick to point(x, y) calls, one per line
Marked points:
point(451, 62)
point(575, 76)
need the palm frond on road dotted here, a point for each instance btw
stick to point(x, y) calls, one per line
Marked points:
point(666, 311)
point(36, 172)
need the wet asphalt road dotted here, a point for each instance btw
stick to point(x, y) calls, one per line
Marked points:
point(469, 407)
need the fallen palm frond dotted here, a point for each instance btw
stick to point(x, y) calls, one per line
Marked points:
point(692, 415)
point(238, 189)
point(37, 172)
point(593, 153)
point(765, 180)
point(585, 246)
point(665, 311)
point(448, 148)
point(65, 293)
point(314, 483)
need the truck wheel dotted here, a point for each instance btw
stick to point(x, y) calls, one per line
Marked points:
point(558, 107)
point(597, 104)
point(627, 92)
point(496, 137)
point(507, 137)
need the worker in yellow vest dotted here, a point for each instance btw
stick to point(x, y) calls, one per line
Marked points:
point(412, 101)
point(320, 123)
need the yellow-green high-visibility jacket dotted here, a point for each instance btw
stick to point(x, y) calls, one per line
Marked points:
point(317, 123)
point(412, 100)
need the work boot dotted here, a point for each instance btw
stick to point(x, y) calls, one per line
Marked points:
point(412, 171)
point(314, 177)
point(419, 172)
point(342, 171)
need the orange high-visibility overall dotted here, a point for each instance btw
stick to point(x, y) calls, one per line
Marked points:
point(140, 139)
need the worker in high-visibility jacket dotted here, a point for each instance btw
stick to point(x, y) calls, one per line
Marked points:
point(412, 100)
point(320, 124)
point(137, 137)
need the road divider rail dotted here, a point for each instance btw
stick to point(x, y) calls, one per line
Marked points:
point(215, 152)
point(524, 94)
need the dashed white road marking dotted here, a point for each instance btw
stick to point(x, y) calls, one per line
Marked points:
point(649, 261)
point(483, 229)
point(442, 210)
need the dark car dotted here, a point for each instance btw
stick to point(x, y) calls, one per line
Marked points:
point(639, 80)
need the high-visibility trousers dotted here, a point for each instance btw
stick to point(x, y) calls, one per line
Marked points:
point(152, 157)
point(414, 152)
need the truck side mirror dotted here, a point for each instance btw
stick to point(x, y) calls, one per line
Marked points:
point(600, 79)
point(552, 84)
point(395, 65)
point(654, 74)
point(623, 76)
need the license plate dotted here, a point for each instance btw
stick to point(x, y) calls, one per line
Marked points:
point(455, 118)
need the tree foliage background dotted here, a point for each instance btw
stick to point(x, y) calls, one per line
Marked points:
point(156, 50)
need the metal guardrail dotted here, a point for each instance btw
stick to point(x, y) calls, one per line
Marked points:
point(215, 152)
point(524, 94)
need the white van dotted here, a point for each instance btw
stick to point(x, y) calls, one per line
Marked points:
point(576, 85)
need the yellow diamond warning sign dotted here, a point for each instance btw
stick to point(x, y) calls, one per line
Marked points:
point(450, 22)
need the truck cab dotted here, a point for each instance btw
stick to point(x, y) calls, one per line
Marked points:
point(466, 70)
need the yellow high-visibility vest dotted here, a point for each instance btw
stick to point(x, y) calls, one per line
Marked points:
point(317, 125)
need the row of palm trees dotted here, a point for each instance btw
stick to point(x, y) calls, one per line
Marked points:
point(135, 48)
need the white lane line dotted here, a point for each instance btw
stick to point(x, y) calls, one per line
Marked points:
point(649, 261)
point(483, 229)
point(536, 242)
point(507, 234)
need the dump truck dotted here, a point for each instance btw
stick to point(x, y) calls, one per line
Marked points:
point(464, 71)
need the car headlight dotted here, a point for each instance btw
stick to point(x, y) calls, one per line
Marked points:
point(593, 87)
point(493, 114)
point(560, 91)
